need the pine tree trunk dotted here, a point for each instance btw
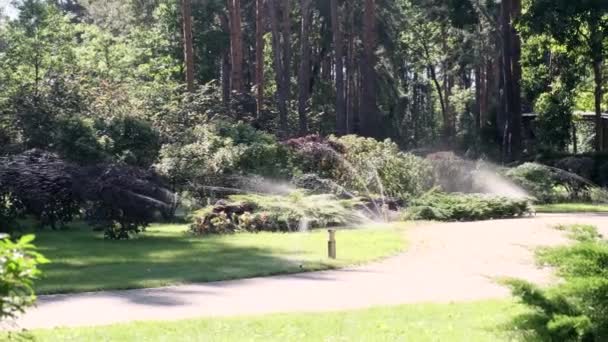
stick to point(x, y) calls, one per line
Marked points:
point(507, 73)
point(351, 70)
point(286, 25)
point(516, 114)
point(304, 73)
point(226, 73)
point(281, 68)
point(339, 68)
point(236, 45)
point(478, 95)
point(370, 123)
point(598, 94)
point(188, 49)
point(259, 55)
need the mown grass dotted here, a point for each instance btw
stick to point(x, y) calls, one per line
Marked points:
point(571, 208)
point(82, 260)
point(470, 322)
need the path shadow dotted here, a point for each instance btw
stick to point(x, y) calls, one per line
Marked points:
point(83, 263)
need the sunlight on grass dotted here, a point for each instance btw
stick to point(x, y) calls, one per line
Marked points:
point(167, 254)
point(571, 208)
point(480, 321)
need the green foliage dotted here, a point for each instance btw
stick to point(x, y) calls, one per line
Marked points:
point(537, 179)
point(285, 213)
point(553, 185)
point(379, 167)
point(581, 232)
point(18, 269)
point(576, 309)
point(10, 209)
point(132, 141)
point(260, 153)
point(465, 207)
point(77, 140)
point(554, 120)
point(213, 154)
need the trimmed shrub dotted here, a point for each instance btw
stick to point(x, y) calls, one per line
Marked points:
point(465, 207)
point(18, 269)
point(275, 213)
point(576, 309)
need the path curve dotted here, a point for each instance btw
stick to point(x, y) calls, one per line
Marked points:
point(444, 263)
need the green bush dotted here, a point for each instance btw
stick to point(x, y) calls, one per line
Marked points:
point(554, 185)
point(538, 180)
point(77, 141)
point(213, 154)
point(554, 118)
point(131, 140)
point(577, 308)
point(465, 207)
point(18, 269)
point(275, 213)
point(10, 209)
point(380, 167)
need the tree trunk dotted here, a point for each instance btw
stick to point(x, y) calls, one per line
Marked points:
point(287, 46)
point(440, 93)
point(304, 73)
point(259, 55)
point(370, 123)
point(281, 68)
point(339, 69)
point(351, 70)
point(507, 73)
point(236, 45)
point(516, 114)
point(599, 129)
point(188, 49)
point(478, 95)
point(449, 129)
point(226, 73)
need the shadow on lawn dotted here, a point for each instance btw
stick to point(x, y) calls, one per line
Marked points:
point(81, 262)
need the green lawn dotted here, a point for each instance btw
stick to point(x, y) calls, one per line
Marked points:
point(480, 321)
point(82, 260)
point(572, 208)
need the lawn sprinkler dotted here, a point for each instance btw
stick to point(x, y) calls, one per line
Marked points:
point(331, 244)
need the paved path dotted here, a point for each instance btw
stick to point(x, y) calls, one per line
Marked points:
point(445, 262)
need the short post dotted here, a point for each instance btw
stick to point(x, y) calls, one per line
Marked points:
point(331, 244)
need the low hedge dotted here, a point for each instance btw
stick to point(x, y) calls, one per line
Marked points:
point(465, 207)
